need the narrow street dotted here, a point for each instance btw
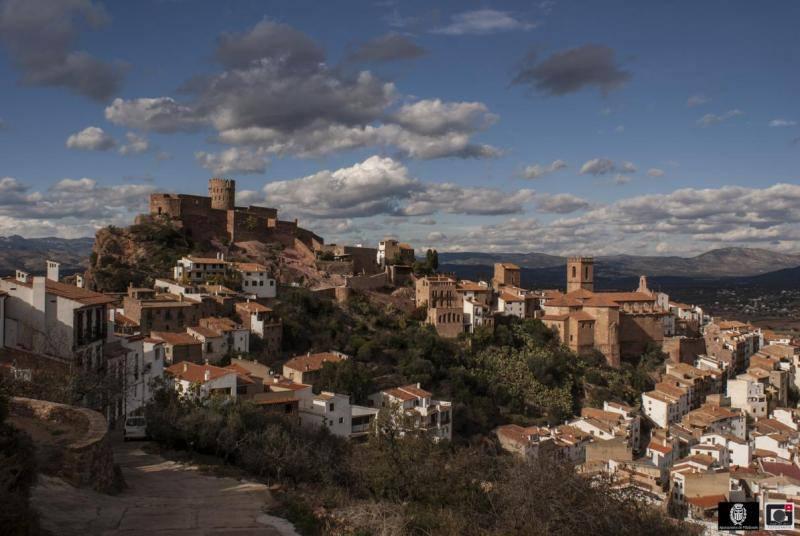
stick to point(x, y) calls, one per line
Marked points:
point(162, 498)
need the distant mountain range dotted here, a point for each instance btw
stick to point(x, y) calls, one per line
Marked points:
point(726, 262)
point(734, 265)
point(30, 254)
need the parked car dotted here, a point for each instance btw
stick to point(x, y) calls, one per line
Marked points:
point(135, 428)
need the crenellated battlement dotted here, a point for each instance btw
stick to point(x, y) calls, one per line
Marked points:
point(217, 216)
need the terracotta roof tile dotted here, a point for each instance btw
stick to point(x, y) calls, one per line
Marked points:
point(249, 267)
point(706, 501)
point(305, 363)
point(174, 339)
point(208, 333)
point(253, 307)
point(70, 292)
point(194, 373)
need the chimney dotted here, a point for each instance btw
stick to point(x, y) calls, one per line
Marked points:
point(185, 366)
point(23, 277)
point(40, 296)
point(79, 282)
point(207, 375)
point(53, 270)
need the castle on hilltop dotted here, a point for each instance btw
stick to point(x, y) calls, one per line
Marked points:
point(218, 217)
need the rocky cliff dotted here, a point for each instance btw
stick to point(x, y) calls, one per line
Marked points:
point(149, 249)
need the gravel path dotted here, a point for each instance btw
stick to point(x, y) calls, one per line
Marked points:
point(162, 498)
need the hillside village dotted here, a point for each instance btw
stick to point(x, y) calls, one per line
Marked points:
point(719, 423)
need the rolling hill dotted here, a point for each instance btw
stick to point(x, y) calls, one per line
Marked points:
point(725, 262)
point(30, 254)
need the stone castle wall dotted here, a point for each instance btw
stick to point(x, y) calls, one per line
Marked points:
point(216, 217)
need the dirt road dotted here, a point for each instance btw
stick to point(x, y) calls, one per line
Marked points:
point(162, 498)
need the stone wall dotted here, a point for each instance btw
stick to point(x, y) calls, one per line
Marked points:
point(367, 282)
point(636, 331)
point(87, 460)
point(683, 349)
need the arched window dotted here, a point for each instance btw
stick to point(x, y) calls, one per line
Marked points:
point(574, 272)
point(586, 272)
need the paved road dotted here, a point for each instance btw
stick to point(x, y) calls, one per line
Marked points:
point(163, 498)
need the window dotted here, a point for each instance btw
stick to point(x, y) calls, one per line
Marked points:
point(341, 420)
point(330, 407)
point(260, 283)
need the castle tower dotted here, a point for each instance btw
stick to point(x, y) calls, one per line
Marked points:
point(580, 273)
point(222, 193)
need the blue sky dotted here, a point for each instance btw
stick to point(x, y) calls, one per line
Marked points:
point(563, 127)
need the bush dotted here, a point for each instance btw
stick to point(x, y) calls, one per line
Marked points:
point(17, 476)
point(436, 488)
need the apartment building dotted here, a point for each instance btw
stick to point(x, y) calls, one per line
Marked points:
point(666, 404)
point(739, 450)
point(200, 269)
point(711, 418)
point(746, 392)
point(732, 343)
point(699, 383)
point(256, 280)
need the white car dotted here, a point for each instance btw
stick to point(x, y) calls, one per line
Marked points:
point(135, 428)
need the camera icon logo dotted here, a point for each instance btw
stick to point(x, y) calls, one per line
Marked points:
point(779, 516)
